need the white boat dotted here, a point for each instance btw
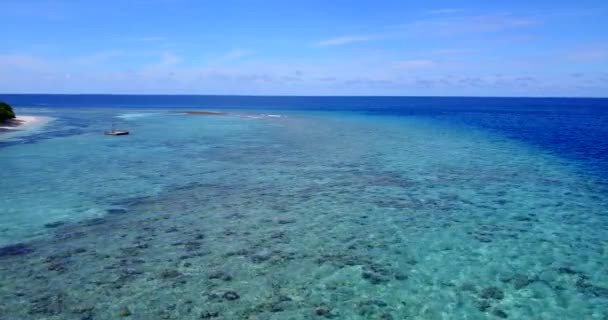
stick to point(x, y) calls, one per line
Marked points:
point(115, 132)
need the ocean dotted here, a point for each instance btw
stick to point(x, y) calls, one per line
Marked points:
point(305, 208)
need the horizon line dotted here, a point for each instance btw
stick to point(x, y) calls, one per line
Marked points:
point(308, 96)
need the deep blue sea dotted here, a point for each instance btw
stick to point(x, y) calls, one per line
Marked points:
point(304, 208)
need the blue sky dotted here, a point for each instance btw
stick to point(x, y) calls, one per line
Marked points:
point(472, 48)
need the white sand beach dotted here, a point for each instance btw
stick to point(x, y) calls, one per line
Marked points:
point(23, 122)
point(22, 125)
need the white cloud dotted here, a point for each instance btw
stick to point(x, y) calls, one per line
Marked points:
point(363, 75)
point(229, 56)
point(167, 63)
point(146, 39)
point(149, 39)
point(449, 52)
point(236, 54)
point(23, 62)
point(168, 59)
point(453, 25)
point(445, 11)
point(490, 23)
point(343, 40)
point(98, 58)
point(594, 53)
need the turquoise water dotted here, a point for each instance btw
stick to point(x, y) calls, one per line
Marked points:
point(309, 215)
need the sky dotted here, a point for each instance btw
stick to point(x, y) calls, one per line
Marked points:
point(308, 47)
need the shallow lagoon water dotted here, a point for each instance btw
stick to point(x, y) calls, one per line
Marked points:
point(310, 215)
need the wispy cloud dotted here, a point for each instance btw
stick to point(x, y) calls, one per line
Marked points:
point(416, 64)
point(147, 39)
point(453, 25)
point(98, 58)
point(449, 52)
point(169, 59)
point(23, 62)
point(230, 56)
point(338, 41)
point(492, 23)
point(420, 72)
point(446, 11)
point(444, 25)
point(167, 62)
point(593, 53)
point(236, 54)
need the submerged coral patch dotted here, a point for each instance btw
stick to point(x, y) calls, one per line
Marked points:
point(15, 250)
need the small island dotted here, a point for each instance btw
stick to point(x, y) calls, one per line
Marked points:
point(9, 121)
point(6, 112)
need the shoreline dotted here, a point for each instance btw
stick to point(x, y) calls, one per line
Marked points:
point(22, 122)
point(22, 126)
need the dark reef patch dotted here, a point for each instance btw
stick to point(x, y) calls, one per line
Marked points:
point(54, 224)
point(220, 275)
point(324, 311)
point(589, 289)
point(116, 211)
point(519, 281)
point(94, 222)
point(492, 293)
point(209, 314)
point(231, 295)
point(169, 274)
point(15, 250)
point(499, 313)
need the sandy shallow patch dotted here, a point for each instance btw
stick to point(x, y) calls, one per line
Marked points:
point(22, 125)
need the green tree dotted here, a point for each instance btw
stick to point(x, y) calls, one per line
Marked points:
point(6, 112)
